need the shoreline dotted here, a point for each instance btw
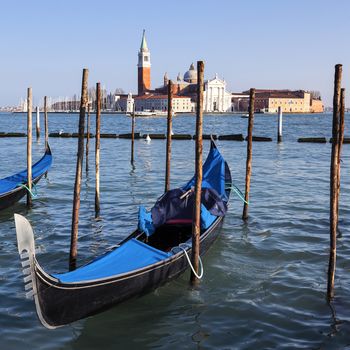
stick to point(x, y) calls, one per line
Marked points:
point(177, 114)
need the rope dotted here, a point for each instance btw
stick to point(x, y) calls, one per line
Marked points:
point(238, 192)
point(33, 195)
point(189, 260)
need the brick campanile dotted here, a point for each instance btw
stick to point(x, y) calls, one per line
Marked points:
point(144, 68)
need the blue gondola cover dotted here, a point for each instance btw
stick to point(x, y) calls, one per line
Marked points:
point(175, 206)
point(130, 256)
point(39, 168)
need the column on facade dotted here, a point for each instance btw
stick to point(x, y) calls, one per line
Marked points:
point(223, 100)
point(211, 100)
point(206, 97)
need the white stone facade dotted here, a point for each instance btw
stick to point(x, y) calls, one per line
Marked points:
point(216, 98)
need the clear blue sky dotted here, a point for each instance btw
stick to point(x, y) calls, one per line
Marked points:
point(263, 44)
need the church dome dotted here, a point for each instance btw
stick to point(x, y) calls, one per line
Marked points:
point(191, 75)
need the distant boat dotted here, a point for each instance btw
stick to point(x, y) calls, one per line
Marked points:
point(245, 115)
point(148, 113)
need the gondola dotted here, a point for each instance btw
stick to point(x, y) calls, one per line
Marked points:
point(14, 187)
point(156, 252)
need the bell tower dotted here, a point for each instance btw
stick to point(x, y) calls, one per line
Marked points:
point(144, 68)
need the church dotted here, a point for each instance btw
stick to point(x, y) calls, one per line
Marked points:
point(216, 97)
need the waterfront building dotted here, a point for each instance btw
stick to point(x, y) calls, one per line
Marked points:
point(316, 106)
point(216, 98)
point(299, 101)
point(144, 68)
point(239, 102)
point(150, 102)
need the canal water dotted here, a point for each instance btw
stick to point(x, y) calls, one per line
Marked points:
point(264, 281)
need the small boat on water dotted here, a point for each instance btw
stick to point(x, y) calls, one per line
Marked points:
point(245, 115)
point(14, 187)
point(150, 113)
point(155, 253)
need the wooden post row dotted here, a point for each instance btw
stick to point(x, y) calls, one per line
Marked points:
point(333, 216)
point(132, 134)
point(97, 149)
point(249, 152)
point(37, 122)
point(168, 139)
point(46, 123)
point(199, 173)
point(78, 173)
point(29, 146)
point(87, 140)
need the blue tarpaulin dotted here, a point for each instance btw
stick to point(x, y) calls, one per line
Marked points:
point(132, 255)
point(213, 173)
point(39, 168)
point(175, 205)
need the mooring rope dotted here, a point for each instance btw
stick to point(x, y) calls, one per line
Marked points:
point(189, 260)
point(238, 192)
point(33, 195)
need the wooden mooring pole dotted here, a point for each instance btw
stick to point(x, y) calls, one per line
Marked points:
point(78, 174)
point(341, 140)
point(279, 126)
point(46, 124)
point(168, 139)
point(199, 174)
point(132, 134)
point(97, 149)
point(37, 122)
point(87, 140)
point(249, 152)
point(333, 217)
point(29, 146)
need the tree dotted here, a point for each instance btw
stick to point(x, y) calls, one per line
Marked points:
point(315, 95)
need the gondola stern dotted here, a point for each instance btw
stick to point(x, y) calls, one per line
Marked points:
point(26, 250)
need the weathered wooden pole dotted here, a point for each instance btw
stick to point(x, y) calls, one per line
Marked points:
point(341, 139)
point(29, 146)
point(97, 149)
point(333, 217)
point(78, 173)
point(132, 134)
point(87, 140)
point(37, 122)
point(46, 124)
point(249, 152)
point(168, 139)
point(279, 128)
point(196, 225)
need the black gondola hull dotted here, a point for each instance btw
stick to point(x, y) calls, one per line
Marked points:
point(16, 195)
point(12, 197)
point(61, 304)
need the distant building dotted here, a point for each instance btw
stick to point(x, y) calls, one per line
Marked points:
point(216, 98)
point(299, 101)
point(239, 102)
point(317, 106)
point(181, 104)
